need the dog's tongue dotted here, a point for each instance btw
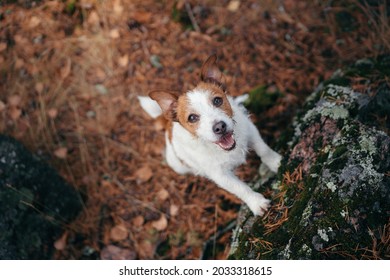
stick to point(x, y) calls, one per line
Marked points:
point(227, 142)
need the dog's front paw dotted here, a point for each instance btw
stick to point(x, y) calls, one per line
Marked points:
point(273, 161)
point(258, 204)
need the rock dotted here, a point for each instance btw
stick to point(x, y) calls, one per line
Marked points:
point(332, 193)
point(36, 204)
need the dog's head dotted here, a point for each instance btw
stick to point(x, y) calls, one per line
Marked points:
point(204, 111)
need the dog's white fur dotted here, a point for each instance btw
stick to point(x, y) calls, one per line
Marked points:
point(199, 155)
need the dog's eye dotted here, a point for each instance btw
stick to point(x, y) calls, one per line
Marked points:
point(217, 101)
point(193, 118)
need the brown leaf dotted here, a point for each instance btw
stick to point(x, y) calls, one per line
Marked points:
point(142, 17)
point(161, 224)
point(34, 22)
point(39, 87)
point(14, 100)
point(118, 8)
point(93, 18)
point(144, 174)
point(2, 106)
point(112, 252)
point(114, 34)
point(233, 5)
point(61, 152)
point(15, 113)
point(138, 221)
point(60, 243)
point(19, 63)
point(123, 61)
point(52, 113)
point(174, 210)
point(146, 249)
point(3, 46)
point(162, 194)
point(118, 233)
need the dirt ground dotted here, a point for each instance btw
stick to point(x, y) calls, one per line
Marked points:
point(70, 74)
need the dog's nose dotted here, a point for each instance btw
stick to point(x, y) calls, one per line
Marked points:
point(219, 127)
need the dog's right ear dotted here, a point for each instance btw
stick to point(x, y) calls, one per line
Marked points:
point(210, 72)
point(167, 101)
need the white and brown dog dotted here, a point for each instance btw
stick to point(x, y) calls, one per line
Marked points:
point(208, 133)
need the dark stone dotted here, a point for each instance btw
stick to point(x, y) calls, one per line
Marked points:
point(36, 204)
point(331, 197)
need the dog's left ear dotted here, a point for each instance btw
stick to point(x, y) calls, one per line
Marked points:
point(167, 101)
point(211, 74)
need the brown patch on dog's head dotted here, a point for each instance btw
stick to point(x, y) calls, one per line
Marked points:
point(217, 92)
point(178, 108)
point(188, 118)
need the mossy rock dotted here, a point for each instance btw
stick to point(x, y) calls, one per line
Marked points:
point(331, 197)
point(36, 204)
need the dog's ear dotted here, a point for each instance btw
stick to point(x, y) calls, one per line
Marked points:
point(167, 101)
point(210, 72)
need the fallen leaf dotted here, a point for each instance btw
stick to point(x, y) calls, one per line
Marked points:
point(118, 233)
point(14, 100)
point(34, 22)
point(142, 17)
point(15, 113)
point(138, 221)
point(161, 224)
point(3, 46)
point(114, 34)
point(19, 63)
point(93, 18)
point(100, 74)
point(112, 252)
point(39, 87)
point(146, 249)
point(52, 113)
point(173, 210)
point(2, 106)
point(123, 61)
point(61, 152)
point(118, 8)
point(60, 243)
point(144, 174)
point(233, 5)
point(162, 194)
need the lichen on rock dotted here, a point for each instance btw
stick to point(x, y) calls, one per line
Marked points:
point(332, 193)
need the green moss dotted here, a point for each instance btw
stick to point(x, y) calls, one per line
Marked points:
point(339, 151)
point(262, 98)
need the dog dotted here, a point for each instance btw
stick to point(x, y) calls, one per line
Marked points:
point(208, 133)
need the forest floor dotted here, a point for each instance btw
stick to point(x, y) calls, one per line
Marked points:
point(71, 71)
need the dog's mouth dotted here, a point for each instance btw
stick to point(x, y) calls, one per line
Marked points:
point(227, 141)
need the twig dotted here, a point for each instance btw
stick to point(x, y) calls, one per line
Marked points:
point(215, 236)
point(191, 16)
